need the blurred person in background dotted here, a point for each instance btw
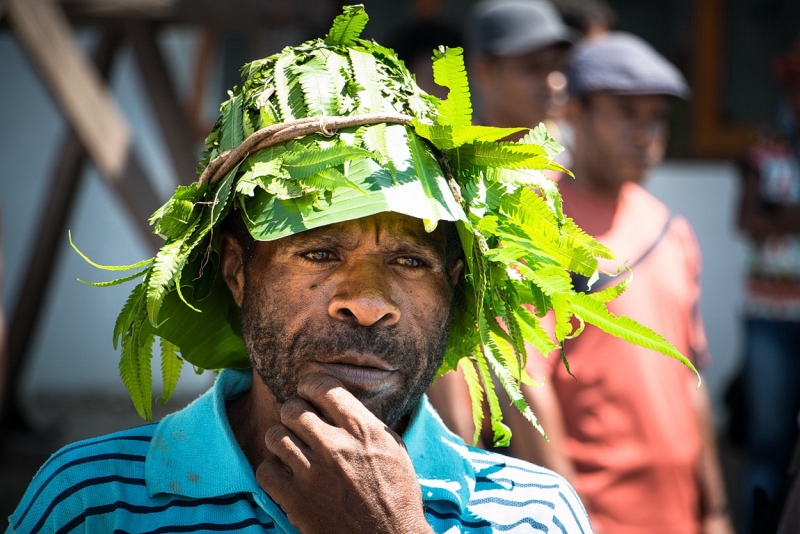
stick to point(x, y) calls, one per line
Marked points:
point(769, 216)
point(517, 50)
point(415, 43)
point(588, 18)
point(630, 430)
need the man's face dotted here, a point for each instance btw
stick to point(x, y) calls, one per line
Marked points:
point(366, 301)
point(619, 138)
point(521, 90)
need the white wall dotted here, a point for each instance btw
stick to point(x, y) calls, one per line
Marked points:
point(72, 349)
point(706, 194)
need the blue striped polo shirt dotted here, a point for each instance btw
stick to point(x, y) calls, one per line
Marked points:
point(188, 474)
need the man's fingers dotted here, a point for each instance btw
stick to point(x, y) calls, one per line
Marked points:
point(301, 418)
point(275, 478)
point(290, 450)
point(333, 401)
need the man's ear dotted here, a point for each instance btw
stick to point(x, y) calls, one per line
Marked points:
point(233, 266)
point(455, 272)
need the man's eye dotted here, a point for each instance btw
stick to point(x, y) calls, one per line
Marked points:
point(318, 256)
point(409, 262)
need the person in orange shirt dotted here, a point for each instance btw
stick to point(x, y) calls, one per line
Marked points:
point(630, 429)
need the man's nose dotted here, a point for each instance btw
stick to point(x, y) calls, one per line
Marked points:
point(363, 295)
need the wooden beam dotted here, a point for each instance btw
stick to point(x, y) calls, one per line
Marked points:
point(713, 135)
point(44, 31)
point(42, 261)
point(168, 109)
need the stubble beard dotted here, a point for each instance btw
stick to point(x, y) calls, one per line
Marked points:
point(279, 355)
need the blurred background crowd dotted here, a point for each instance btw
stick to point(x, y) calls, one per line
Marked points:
point(105, 103)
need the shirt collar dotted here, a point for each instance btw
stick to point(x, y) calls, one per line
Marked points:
point(195, 454)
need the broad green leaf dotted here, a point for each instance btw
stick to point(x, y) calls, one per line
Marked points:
point(348, 26)
point(304, 163)
point(210, 339)
point(446, 136)
point(449, 71)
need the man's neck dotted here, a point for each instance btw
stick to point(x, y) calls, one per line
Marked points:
point(583, 181)
point(250, 416)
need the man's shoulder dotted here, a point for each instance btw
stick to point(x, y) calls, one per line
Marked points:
point(518, 494)
point(84, 471)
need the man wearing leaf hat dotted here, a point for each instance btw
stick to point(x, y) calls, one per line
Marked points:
point(348, 237)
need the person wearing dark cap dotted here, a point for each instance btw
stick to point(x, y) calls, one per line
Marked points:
point(518, 48)
point(632, 432)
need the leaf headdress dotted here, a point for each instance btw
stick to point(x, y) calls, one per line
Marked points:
point(336, 129)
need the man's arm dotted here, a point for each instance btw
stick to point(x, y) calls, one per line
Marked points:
point(714, 503)
point(338, 468)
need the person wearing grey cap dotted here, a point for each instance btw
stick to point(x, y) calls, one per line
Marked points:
point(518, 48)
point(631, 431)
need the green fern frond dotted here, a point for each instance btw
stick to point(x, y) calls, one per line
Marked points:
point(533, 332)
point(171, 365)
point(116, 282)
point(288, 91)
point(328, 180)
point(612, 292)
point(134, 365)
point(232, 127)
point(594, 312)
point(143, 263)
point(552, 280)
point(318, 89)
point(348, 26)
point(365, 72)
point(501, 432)
point(511, 386)
point(475, 394)
point(133, 305)
point(449, 71)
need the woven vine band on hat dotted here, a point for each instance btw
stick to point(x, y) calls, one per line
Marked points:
point(280, 133)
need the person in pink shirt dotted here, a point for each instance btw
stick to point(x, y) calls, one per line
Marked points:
point(629, 428)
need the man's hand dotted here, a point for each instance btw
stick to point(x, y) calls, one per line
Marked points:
point(338, 468)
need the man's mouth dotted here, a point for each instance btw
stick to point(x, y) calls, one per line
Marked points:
point(360, 371)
